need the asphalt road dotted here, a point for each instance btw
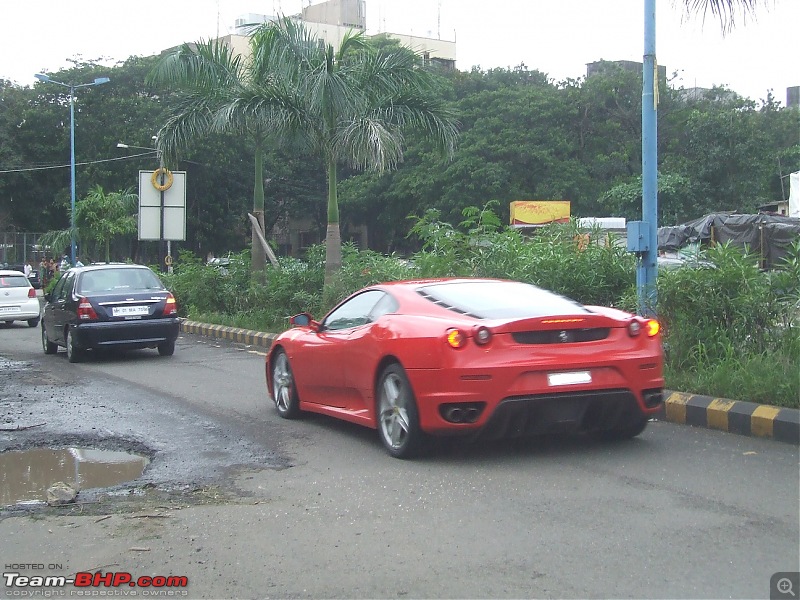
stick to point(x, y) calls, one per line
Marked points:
point(247, 505)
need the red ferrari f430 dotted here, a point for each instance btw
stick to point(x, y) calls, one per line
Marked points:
point(480, 357)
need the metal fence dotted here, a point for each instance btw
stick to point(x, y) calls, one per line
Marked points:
point(19, 248)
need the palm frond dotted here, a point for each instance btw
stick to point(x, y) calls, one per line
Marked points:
point(726, 11)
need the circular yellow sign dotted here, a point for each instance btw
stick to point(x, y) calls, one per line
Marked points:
point(155, 179)
point(168, 260)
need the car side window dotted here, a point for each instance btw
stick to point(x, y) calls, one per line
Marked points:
point(384, 306)
point(56, 293)
point(66, 286)
point(354, 312)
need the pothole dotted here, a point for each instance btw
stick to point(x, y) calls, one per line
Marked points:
point(25, 475)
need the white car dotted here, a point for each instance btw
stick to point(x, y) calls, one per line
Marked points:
point(18, 301)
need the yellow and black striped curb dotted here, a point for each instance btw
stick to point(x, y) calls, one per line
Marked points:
point(733, 416)
point(233, 334)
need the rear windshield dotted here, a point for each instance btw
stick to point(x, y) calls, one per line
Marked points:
point(11, 281)
point(118, 280)
point(499, 300)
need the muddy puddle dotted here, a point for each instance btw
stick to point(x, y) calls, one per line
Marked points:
point(26, 475)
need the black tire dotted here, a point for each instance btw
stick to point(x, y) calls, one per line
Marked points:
point(626, 431)
point(74, 353)
point(166, 348)
point(397, 415)
point(284, 390)
point(33, 322)
point(48, 346)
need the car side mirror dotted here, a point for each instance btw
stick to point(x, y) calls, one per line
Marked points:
point(304, 320)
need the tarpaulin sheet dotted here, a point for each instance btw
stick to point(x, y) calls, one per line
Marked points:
point(769, 236)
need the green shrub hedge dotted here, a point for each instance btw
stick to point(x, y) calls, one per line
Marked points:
point(730, 329)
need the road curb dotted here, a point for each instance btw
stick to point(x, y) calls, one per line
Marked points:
point(233, 334)
point(731, 416)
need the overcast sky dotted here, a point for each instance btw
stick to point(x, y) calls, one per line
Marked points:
point(557, 37)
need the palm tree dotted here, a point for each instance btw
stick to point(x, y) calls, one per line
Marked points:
point(352, 105)
point(209, 78)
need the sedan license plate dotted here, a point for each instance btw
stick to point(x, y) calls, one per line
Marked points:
point(9, 309)
point(571, 378)
point(129, 311)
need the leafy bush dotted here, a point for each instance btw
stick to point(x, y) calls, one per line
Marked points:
point(730, 330)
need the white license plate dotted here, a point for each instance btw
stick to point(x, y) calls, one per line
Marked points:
point(129, 311)
point(9, 309)
point(571, 378)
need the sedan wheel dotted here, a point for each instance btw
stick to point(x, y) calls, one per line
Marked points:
point(33, 322)
point(398, 421)
point(48, 346)
point(166, 348)
point(74, 354)
point(284, 391)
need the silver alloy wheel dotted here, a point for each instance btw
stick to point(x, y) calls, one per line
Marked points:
point(393, 411)
point(283, 389)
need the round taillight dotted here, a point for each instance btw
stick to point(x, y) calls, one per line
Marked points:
point(482, 336)
point(634, 328)
point(652, 327)
point(456, 339)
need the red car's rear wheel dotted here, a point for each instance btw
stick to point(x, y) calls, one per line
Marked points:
point(398, 420)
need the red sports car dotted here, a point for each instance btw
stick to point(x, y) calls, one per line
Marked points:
point(484, 357)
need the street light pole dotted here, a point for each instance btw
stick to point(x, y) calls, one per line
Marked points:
point(72, 87)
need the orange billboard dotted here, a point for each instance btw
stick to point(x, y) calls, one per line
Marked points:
point(539, 212)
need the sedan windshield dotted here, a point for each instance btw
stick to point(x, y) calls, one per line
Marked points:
point(499, 299)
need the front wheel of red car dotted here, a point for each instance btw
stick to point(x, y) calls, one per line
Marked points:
point(398, 419)
point(284, 391)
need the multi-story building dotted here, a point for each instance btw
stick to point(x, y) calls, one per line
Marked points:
point(603, 66)
point(793, 96)
point(331, 20)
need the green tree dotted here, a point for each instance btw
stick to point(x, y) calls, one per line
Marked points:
point(99, 217)
point(104, 216)
point(350, 106)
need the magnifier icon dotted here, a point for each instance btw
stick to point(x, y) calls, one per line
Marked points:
point(785, 587)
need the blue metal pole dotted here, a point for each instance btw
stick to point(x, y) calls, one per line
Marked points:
point(647, 269)
point(72, 169)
